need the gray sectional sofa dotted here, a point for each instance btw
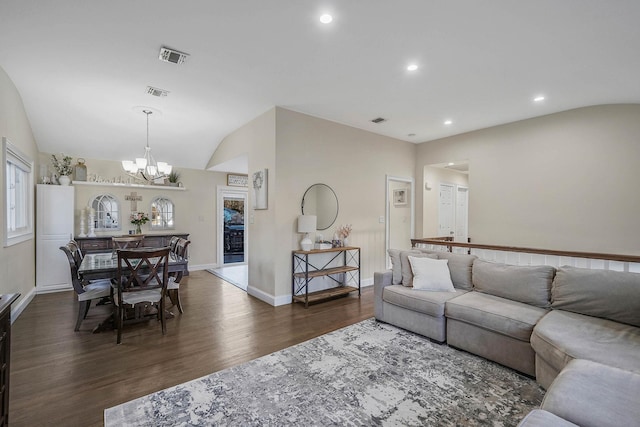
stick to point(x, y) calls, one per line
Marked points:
point(534, 319)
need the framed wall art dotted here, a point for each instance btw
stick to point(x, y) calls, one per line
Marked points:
point(400, 197)
point(260, 188)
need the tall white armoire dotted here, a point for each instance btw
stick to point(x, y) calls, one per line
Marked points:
point(54, 228)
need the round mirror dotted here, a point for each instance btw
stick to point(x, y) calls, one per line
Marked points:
point(320, 200)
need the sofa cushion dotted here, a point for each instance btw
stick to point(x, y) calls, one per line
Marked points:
point(611, 295)
point(527, 284)
point(562, 336)
point(431, 303)
point(407, 273)
point(396, 265)
point(511, 318)
point(431, 274)
point(460, 268)
point(590, 394)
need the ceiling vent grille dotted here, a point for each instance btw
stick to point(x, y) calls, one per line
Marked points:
point(157, 92)
point(378, 120)
point(173, 56)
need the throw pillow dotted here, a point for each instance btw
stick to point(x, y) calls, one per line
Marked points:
point(431, 274)
point(407, 273)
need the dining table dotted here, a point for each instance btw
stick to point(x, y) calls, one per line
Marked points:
point(104, 265)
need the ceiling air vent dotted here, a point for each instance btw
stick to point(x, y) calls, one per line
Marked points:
point(379, 120)
point(173, 56)
point(157, 92)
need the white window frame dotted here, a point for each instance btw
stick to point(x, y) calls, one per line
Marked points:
point(14, 159)
point(162, 213)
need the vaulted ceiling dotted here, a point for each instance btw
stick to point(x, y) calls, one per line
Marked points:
point(83, 67)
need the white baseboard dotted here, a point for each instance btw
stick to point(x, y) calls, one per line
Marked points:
point(268, 298)
point(202, 267)
point(17, 309)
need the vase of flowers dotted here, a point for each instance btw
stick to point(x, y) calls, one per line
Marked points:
point(138, 219)
point(63, 168)
point(343, 233)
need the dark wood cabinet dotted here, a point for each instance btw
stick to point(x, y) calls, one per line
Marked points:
point(103, 243)
point(5, 354)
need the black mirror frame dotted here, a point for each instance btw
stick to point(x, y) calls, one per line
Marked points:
point(334, 195)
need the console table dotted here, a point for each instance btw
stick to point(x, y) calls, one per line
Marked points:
point(307, 265)
point(103, 243)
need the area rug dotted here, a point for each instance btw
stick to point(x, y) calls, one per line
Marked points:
point(369, 373)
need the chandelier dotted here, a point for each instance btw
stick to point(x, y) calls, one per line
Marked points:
point(146, 167)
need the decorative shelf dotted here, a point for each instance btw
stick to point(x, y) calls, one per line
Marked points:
point(327, 271)
point(326, 294)
point(118, 184)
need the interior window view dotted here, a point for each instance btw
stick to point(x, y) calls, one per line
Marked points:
point(343, 213)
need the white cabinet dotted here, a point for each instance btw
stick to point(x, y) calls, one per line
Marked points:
point(54, 228)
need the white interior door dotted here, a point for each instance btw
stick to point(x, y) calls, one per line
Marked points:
point(462, 214)
point(446, 210)
point(400, 222)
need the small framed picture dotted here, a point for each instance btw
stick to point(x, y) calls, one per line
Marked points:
point(235, 180)
point(400, 197)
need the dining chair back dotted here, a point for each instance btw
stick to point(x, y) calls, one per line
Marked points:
point(85, 291)
point(141, 277)
point(127, 242)
point(173, 288)
point(173, 242)
point(77, 252)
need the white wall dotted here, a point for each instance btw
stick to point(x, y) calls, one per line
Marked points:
point(399, 218)
point(431, 197)
point(565, 181)
point(17, 262)
point(351, 161)
point(257, 139)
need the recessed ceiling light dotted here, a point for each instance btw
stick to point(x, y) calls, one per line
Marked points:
point(326, 18)
point(412, 67)
point(450, 164)
point(448, 122)
point(538, 98)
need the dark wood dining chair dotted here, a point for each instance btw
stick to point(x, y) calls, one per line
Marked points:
point(85, 291)
point(173, 288)
point(173, 242)
point(127, 242)
point(141, 278)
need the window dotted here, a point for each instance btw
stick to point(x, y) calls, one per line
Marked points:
point(161, 213)
point(18, 194)
point(107, 212)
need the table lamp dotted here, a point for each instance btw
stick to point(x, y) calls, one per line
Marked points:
point(306, 224)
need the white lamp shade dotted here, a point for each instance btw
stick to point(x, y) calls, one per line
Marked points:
point(141, 162)
point(128, 165)
point(307, 223)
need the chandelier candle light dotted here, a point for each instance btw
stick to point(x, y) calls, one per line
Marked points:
point(146, 167)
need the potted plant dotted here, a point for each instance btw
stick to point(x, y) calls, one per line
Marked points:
point(174, 178)
point(138, 219)
point(63, 168)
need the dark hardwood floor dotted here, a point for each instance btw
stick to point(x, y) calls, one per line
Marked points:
point(64, 378)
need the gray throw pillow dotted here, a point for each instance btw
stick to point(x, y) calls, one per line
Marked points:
point(396, 265)
point(527, 284)
point(612, 295)
point(460, 267)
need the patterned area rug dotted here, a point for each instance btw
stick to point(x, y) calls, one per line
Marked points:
point(369, 373)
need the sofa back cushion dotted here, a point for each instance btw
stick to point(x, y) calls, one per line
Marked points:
point(526, 284)
point(460, 267)
point(612, 295)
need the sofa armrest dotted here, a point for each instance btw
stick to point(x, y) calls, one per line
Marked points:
point(590, 394)
point(380, 280)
